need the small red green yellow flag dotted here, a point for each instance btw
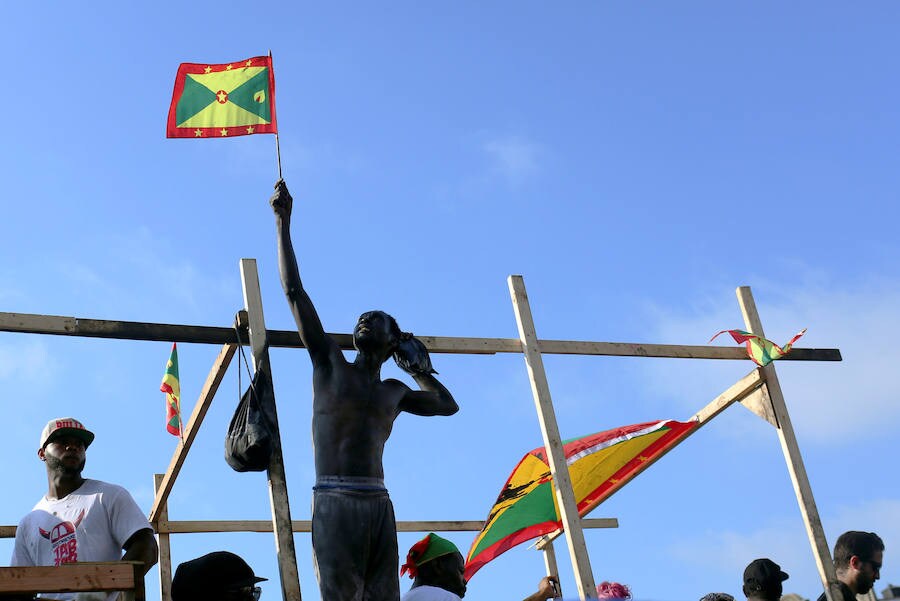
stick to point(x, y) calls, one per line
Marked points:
point(220, 101)
point(172, 387)
point(759, 349)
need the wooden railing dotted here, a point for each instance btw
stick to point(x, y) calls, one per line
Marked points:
point(125, 576)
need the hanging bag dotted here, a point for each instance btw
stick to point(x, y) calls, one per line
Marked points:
point(250, 438)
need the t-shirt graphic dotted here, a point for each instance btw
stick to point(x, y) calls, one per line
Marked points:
point(63, 541)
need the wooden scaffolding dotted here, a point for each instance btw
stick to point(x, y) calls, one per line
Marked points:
point(759, 391)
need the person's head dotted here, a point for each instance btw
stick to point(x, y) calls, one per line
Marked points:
point(435, 561)
point(613, 590)
point(857, 559)
point(762, 580)
point(216, 576)
point(376, 332)
point(716, 597)
point(63, 445)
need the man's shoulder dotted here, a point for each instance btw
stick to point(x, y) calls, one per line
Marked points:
point(845, 590)
point(429, 593)
point(92, 486)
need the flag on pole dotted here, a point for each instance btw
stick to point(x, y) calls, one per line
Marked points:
point(218, 101)
point(172, 387)
point(599, 465)
point(759, 349)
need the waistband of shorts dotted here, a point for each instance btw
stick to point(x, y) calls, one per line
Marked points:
point(354, 483)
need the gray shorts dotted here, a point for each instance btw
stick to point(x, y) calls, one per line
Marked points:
point(354, 538)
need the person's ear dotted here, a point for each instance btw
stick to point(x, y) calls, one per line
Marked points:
point(855, 562)
point(41, 454)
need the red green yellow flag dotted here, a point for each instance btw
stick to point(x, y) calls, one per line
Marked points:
point(172, 387)
point(759, 349)
point(599, 465)
point(219, 101)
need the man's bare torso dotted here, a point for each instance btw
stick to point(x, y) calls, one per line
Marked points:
point(352, 419)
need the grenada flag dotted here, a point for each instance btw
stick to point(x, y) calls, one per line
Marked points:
point(172, 387)
point(219, 101)
point(761, 350)
point(599, 465)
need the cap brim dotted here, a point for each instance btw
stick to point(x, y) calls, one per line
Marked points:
point(783, 575)
point(86, 435)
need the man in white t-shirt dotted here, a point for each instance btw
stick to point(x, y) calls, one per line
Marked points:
point(438, 568)
point(80, 519)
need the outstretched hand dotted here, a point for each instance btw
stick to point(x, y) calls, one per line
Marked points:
point(281, 201)
point(549, 587)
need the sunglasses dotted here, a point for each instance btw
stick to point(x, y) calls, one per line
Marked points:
point(245, 592)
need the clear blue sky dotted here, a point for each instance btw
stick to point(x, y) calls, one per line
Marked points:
point(635, 162)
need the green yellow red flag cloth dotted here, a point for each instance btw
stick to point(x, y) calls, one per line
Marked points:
point(172, 387)
point(599, 465)
point(759, 349)
point(219, 101)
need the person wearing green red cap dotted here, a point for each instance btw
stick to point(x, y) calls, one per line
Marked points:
point(438, 567)
point(80, 519)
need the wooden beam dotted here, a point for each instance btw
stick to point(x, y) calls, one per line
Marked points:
point(165, 550)
point(792, 456)
point(550, 566)
point(75, 577)
point(278, 493)
point(132, 330)
point(303, 526)
point(737, 392)
point(220, 365)
point(556, 457)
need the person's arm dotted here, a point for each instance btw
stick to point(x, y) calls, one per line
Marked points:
point(432, 399)
point(320, 345)
point(548, 588)
point(141, 546)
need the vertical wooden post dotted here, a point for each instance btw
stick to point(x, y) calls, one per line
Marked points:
point(792, 457)
point(562, 483)
point(550, 562)
point(165, 552)
point(278, 494)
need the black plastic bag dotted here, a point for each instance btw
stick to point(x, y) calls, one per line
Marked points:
point(412, 356)
point(250, 438)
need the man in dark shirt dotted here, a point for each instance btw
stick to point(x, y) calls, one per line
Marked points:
point(857, 561)
point(762, 580)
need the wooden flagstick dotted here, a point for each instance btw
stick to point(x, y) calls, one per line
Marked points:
point(277, 143)
point(791, 450)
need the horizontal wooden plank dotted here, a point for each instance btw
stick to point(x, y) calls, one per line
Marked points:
point(131, 330)
point(82, 576)
point(205, 526)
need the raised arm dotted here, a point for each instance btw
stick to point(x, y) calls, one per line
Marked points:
point(548, 588)
point(320, 345)
point(432, 399)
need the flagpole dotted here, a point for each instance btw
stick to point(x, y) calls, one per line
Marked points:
point(278, 153)
point(277, 143)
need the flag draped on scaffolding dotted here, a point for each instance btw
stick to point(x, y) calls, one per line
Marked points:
point(218, 101)
point(599, 465)
point(759, 349)
point(172, 387)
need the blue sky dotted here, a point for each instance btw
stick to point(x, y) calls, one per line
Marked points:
point(634, 162)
